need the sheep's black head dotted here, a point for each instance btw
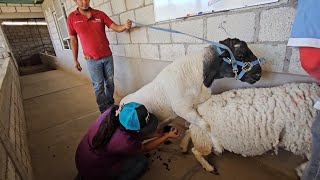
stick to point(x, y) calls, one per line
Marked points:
point(216, 68)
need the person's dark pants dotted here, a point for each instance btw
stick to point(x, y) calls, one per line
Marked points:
point(101, 73)
point(133, 168)
point(312, 170)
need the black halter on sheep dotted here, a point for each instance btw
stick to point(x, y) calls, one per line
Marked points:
point(214, 67)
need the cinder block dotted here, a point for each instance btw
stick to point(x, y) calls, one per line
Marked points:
point(97, 2)
point(3, 161)
point(68, 4)
point(106, 8)
point(18, 177)
point(36, 9)
point(12, 133)
point(118, 50)
point(145, 15)
point(134, 4)
point(149, 51)
point(115, 19)
point(274, 55)
point(156, 36)
point(170, 52)
point(148, 2)
point(139, 35)
point(127, 15)
point(118, 6)
point(112, 37)
point(7, 9)
point(295, 64)
point(27, 4)
point(22, 9)
point(240, 26)
point(276, 24)
point(24, 158)
point(194, 27)
point(132, 50)
point(195, 48)
point(123, 37)
point(13, 4)
point(11, 172)
point(91, 4)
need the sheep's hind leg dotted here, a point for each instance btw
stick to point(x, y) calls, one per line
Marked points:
point(204, 163)
point(185, 141)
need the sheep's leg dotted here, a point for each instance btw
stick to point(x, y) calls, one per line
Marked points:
point(185, 141)
point(192, 116)
point(166, 121)
point(301, 168)
point(204, 163)
point(217, 148)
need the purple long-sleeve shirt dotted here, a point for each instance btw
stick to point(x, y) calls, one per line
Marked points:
point(107, 161)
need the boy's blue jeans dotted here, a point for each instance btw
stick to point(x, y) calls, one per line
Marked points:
point(101, 73)
point(312, 171)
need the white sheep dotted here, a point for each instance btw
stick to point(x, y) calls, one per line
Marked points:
point(253, 121)
point(185, 83)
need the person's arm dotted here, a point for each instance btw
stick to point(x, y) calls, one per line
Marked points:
point(74, 47)
point(121, 28)
point(156, 142)
point(157, 133)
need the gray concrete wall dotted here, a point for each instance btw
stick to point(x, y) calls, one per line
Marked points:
point(265, 28)
point(15, 162)
point(27, 40)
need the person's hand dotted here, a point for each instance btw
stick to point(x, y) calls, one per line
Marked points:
point(77, 66)
point(174, 133)
point(128, 24)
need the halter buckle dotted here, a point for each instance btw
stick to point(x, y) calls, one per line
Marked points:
point(247, 66)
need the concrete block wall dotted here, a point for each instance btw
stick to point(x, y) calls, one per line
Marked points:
point(19, 8)
point(265, 28)
point(15, 162)
point(26, 41)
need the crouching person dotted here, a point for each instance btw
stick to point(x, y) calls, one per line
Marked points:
point(113, 149)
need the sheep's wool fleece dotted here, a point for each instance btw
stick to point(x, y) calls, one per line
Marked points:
point(252, 121)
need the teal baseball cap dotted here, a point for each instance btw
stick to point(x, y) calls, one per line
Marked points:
point(135, 116)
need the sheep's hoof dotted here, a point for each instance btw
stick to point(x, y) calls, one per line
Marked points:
point(217, 153)
point(184, 150)
point(215, 172)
